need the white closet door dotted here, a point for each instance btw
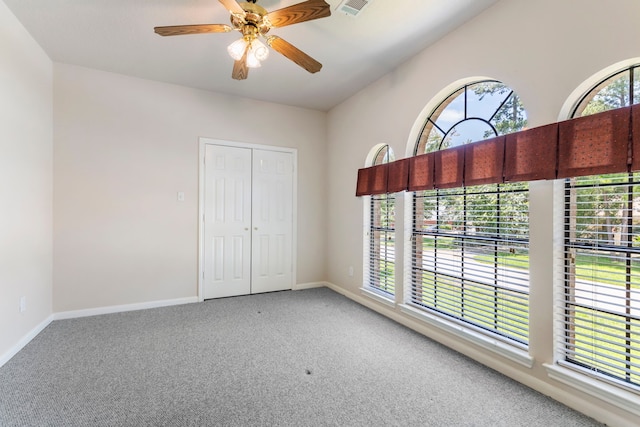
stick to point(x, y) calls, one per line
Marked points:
point(272, 217)
point(227, 222)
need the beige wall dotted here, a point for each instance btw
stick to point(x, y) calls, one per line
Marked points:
point(544, 50)
point(124, 147)
point(25, 183)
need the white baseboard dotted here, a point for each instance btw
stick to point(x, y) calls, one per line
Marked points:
point(25, 340)
point(384, 299)
point(356, 297)
point(426, 322)
point(73, 314)
point(4, 358)
point(310, 285)
point(627, 400)
point(122, 308)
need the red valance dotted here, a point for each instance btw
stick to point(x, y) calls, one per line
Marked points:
point(484, 162)
point(372, 180)
point(531, 155)
point(607, 142)
point(635, 129)
point(594, 145)
point(449, 167)
point(398, 179)
point(421, 173)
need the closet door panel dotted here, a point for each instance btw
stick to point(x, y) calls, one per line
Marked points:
point(227, 221)
point(272, 206)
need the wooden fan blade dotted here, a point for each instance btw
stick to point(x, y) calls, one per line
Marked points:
point(240, 69)
point(294, 54)
point(232, 6)
point(301, 12)
point(178, 30)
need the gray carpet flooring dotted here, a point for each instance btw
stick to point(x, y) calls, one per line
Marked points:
point(300, 358)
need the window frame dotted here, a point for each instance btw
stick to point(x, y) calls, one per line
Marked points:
point(570, 347)
point(411, 306)
point(380, 257)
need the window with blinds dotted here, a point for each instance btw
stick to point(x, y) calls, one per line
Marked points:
point(469, 246)
point(600, 293)
point(471, 256)
point(380, 268)
point(601, 290)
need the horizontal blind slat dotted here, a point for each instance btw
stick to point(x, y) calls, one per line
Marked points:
point(601, 288)
point(470, 256)
point(380, 269)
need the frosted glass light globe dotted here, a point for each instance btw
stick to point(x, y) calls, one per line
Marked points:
point(237, 48)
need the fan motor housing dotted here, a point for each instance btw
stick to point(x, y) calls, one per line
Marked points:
point(255, 16)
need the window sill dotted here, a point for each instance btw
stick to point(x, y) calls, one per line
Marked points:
point(518, 355)
point(378, 297)
point(617, 396)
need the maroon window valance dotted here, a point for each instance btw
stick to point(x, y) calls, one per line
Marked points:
point(595, 144)
point(398, 179)
point(484, 162)
point(635, 129)
point(531, 155)
point(372, 180)
point(449, 167)
point(607, 142)
point(385, 178)
point(421, 173)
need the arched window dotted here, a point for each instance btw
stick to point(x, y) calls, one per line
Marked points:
point(380, 236)
point(470, 245)
point(601, 287)
point(472, 113)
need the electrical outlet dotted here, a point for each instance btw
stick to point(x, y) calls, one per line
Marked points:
point(350, 271)
point(23, 304)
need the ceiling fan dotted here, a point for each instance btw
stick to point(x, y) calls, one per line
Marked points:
point(253, 21)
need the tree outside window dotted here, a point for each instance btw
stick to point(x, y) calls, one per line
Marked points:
point(470, 245)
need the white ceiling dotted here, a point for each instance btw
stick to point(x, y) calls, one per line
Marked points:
point(117, 36)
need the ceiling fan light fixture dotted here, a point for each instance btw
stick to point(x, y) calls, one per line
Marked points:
point(237, 48)
point(252, 60)
point(253, 21)
point(259, 50)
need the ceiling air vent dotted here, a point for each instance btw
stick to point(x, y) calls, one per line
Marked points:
point(353, 7)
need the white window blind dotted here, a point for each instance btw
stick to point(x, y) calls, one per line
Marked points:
point(470, 257)
point(380, 271)
point(601, 288)
point(380, 235)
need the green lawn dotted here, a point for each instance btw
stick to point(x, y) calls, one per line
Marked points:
point(592, 329)
point(510, 318)
point(607, 270)
point(510, 312)
point(502, 311)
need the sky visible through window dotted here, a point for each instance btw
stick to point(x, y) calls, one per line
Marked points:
point(473, 113)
